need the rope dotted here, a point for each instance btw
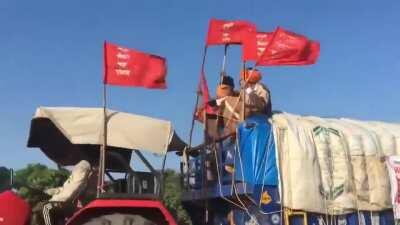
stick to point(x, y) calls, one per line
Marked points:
point(273, 212)
point(242, 171)
point(352, 178)
point(321, 219)
point(236, 192)
point(281, 196)
point(245, 208)
point(241, 95)
point(265, 171)
point(332, 175)
point(265, 168)
point(325, 197)
point(245, 186)
point(220, 184)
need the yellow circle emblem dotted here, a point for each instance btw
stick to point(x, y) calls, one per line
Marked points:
point(265, 198)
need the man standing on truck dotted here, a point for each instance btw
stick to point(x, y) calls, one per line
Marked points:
point(257, 95)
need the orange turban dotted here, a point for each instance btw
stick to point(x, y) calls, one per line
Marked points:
point(250, 75)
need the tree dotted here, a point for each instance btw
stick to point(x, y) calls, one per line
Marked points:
point(5, 179)
point(35, 178)
point(172, 197)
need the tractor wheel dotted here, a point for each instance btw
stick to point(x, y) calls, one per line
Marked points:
point(119, 219)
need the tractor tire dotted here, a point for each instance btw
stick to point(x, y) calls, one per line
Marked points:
point(119, 219)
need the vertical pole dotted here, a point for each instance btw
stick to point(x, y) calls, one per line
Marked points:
point(220, 80)
point(185, 166)
point(203, 151)
point(162, 179)
point(100, 181)
point(197, 99)
point(11, 177)
point(223, 63)
point(243, 91)
point(194, 117)
point(205, 169)
point(218, 120)
point(281, 190)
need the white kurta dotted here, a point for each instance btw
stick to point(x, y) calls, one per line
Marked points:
point(74, 185)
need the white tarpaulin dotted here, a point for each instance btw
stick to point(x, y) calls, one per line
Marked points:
point(393, 164)
point(334, 166)
point(124, 130)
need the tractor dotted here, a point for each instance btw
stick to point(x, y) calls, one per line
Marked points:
point(128, 194)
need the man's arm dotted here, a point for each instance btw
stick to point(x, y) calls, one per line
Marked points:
point(53, 191)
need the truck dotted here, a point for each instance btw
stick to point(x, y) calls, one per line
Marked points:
point(294, 170)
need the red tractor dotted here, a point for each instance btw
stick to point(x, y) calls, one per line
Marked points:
point(125, 195)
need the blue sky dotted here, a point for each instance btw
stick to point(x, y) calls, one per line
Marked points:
point(51, 55)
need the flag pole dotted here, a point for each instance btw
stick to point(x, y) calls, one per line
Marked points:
point(205, 169)
point(102, 154)
point(242, 87)
point(197, 98)
point(100, 180)
point(223, 63)
point(194, 116)
point(204, 153)
point(104, 134)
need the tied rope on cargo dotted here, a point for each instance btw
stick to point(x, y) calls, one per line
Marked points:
point(242, 205)
point(219, 181)
point(237, 151)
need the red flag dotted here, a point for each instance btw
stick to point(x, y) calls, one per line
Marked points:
point(129, 67)
point(221, 32)
point(254, 45)
point(288, 48)
point(203, 89)
point(309, 56)
point(313, 52)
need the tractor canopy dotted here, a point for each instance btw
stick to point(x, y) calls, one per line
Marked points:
point(69, 134)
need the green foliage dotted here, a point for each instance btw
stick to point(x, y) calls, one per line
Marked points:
point(35, 178)
point(5, 179)
point(172, 197)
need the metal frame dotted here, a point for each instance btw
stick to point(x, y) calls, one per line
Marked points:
point(133, 175)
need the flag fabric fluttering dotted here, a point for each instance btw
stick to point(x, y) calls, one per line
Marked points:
point(129, 67)
point(288, 48)
point(205, 94)
point(309, 56)
point(254, 45)
point(223, 32)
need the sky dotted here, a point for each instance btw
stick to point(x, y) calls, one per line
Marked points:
point(51, 55)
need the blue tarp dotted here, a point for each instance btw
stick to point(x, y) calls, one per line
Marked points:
point(257, 152)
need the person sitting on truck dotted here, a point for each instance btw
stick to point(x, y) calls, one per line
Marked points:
point(65, 196)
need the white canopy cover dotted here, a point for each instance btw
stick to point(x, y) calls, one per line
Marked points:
point(334, 166)
point(124, 130)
